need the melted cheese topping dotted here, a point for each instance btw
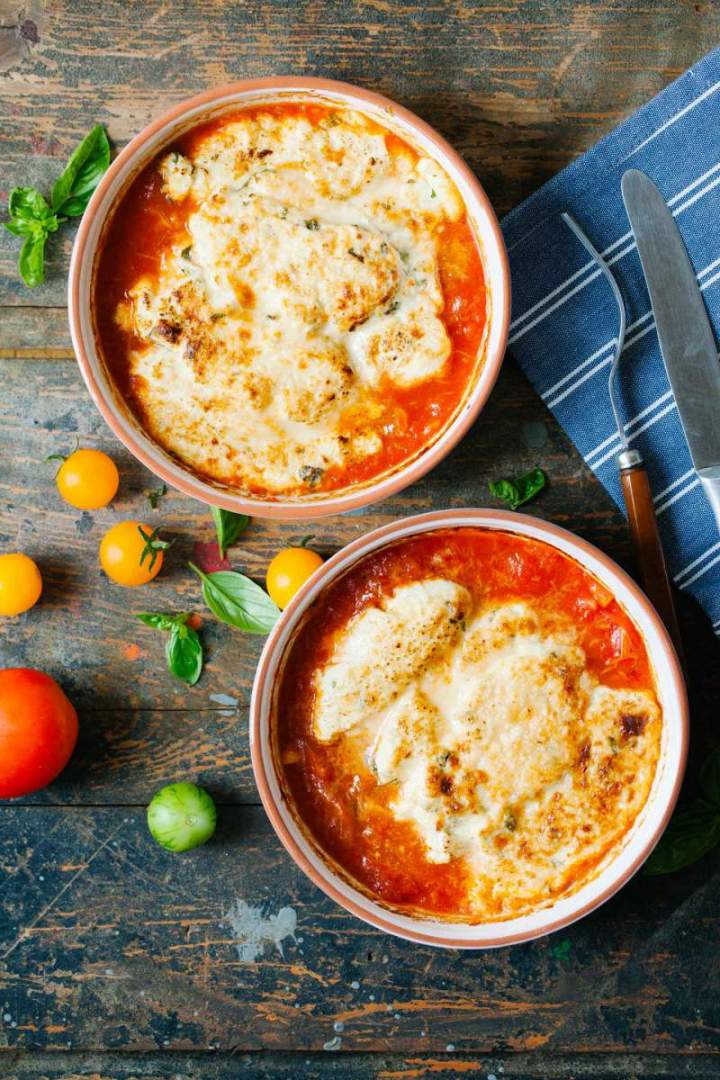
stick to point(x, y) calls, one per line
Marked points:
point(499, 746)
point(306, 283)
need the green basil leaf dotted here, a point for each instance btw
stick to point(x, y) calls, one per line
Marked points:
point(530, 484)
point(690, 835)
point(73, 188)
point(505, 490)
point(184, 654)
point(158, 621)
point(521, 489)
point(710, 778)
point(74, 206)
point(32, 260)
point(238, 601)
point(28, 202)
point(23, 226)
point(228, 527)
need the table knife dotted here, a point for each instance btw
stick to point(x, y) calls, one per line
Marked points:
point(686, 338)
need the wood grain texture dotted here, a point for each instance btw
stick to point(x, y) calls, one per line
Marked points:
point(106, 941)
point(348, 1066)
point(117, 960)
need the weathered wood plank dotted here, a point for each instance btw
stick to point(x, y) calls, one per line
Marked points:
point(520, 87)
point(341, 1066)
point(124, 756)
point(107, 941)
point(28, 332)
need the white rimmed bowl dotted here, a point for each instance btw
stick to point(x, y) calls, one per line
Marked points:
point(142, 150)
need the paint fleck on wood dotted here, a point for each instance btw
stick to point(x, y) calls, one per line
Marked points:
point(255, 929)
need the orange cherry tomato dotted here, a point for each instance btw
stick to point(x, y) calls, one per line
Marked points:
point(38, 731)
point(20, 583)
point(290, 569)
point(88, 479)
point(131, 553)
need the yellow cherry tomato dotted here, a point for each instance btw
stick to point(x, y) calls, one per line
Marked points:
point(290, 569)
point(131, 553)
point(20, 583)
point(88, 479)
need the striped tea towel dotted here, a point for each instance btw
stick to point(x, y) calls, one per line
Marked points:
point(565, 320)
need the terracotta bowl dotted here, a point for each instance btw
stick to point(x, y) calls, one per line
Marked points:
point(162, 132)
point(643, 835)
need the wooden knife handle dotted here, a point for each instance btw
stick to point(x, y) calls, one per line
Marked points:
point(648, 546)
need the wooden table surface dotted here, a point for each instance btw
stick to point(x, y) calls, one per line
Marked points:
point(119, 960)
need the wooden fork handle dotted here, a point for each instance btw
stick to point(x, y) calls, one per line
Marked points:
point(647, 542)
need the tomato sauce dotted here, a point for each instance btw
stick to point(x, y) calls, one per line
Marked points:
point(350, 821)
point(145, 223)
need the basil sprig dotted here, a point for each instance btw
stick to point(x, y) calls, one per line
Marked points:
point(34, 219)
point(238, 601)
point(519, 490)
point(184, 650)
point(695, 829)
point(228, 527)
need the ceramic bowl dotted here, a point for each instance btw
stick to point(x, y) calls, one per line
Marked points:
point(644, 833)
point(162, 132)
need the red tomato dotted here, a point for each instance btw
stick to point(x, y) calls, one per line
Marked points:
point(38, 731)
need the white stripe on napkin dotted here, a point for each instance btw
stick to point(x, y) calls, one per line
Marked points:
point(673, 119)
point(610, 345)
point(643, 427)
point(610, 261)
point(691, 566)
point(609, 250)
point(699, 573)
point(615, 438)
point(679, 495)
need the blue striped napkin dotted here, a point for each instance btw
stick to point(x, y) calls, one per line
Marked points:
point(564, 318)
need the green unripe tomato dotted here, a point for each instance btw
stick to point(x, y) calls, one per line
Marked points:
point(181, 817)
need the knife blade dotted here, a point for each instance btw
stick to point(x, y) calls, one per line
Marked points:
point(686, 338)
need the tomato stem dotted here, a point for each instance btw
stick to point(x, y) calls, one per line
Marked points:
point(153, 545)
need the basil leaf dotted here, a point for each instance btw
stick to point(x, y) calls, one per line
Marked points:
point(505, 490)
point(74, 206)
point(521, 489)
point(238, 601)
point(184, 651)
point(28, 202)
point(73, 188)
point(530, 484)
point(690, 835)
point(710, 778)
point(33, 218)
point(228, 527)
point(23, 226)
point(184, 654)
point(158, 621)
point(32, 260)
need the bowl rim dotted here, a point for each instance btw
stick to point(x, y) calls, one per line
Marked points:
point(419, 930)
point(142, 446)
